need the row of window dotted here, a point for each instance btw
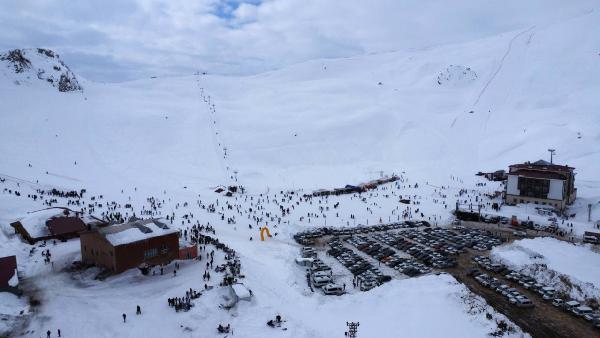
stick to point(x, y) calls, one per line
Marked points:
point(536, 202)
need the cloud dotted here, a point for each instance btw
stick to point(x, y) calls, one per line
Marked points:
point(118, 40)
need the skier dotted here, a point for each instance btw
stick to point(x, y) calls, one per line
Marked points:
point(139, 310)
point(48, 333)
point(124, 318)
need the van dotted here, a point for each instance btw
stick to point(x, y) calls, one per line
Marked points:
point(571, 305)
point(581, 311)
point(333, 289)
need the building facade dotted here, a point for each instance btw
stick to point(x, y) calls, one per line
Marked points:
point(541, 183)
point(121, 247)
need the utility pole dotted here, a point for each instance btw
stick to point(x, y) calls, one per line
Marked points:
point(352, 329)
point(552, 151)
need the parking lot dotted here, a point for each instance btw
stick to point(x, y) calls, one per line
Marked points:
point(371, 256)
point(366, 257)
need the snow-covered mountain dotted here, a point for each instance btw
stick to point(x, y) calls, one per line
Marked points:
point(438, 114)
point(323, 123)
point(25, 65)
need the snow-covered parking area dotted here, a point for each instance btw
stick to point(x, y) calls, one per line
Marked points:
point(555, 262)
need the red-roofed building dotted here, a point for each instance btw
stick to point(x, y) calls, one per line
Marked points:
point(542, 183)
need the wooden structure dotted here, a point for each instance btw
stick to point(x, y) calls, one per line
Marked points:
point(51, 223)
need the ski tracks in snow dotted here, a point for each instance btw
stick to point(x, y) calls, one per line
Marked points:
point(499, 68)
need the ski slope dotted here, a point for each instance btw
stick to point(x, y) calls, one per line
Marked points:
point(323, 123)
point(317, 124)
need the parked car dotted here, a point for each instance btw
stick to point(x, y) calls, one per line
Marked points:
point(591, 317)
point(321, 280)
point(304, 261)
point(581, 311)
point(519, 233)
point(558, 302)
point(333, 289)
point(568, 306)
point(524, 302)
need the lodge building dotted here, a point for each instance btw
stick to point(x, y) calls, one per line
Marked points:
point(121, 247)
point(541, 183)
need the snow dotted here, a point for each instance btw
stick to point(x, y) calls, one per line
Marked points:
point(11, 307)
point(577, 261)
point(130, 233)
point(35, 222)
point(314, 125)
point(14, 280)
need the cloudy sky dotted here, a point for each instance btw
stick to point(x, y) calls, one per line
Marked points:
point(116, 40)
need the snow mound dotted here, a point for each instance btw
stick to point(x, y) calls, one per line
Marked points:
point(457, 75)
point(551, 261)
point(23, 64)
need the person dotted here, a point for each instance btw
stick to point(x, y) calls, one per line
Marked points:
point(270, 323)
point(124, 318)
point(278, 318)
point(139, 310)
point(59, 332)
point(48, 333)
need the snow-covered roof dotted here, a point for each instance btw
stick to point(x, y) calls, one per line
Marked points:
point(35, 222)
point(135, 231)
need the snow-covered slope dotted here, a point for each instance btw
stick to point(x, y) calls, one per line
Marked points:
point(325, 122)
point(448, 110)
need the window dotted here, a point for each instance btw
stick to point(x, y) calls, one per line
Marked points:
point(151, 253)
point(164, 249)
point(533, 187)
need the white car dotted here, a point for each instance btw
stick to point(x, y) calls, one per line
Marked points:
point(581, 311)
point(333, 289)
point(321, 280)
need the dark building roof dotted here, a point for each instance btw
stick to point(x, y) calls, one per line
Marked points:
point(543, 166)
point(8, 266)
point(65, 225)
point(540, 174)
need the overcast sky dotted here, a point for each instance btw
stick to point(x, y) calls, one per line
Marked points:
point(116, 40)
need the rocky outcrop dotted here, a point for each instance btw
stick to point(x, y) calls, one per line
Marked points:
point(45, 64)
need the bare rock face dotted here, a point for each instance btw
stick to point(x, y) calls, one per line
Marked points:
point(45, 64)
point(17, 60)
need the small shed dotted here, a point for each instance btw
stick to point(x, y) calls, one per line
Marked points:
point(189, 251)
